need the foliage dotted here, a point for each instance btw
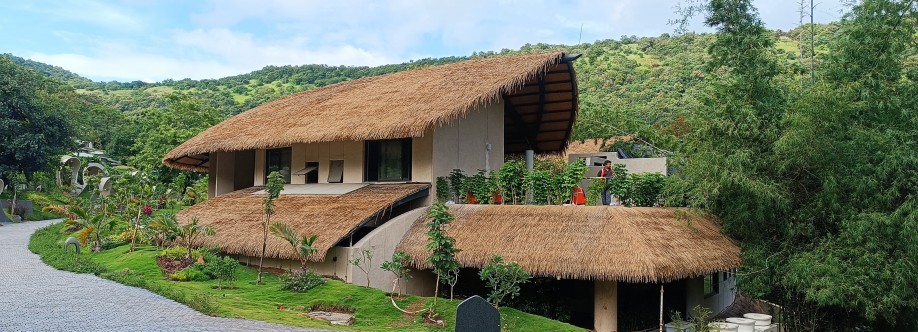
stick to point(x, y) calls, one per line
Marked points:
point(89, 225)
point(272, 189)
point(33, 125)
point(814, 180)
point(221, 268)
point(364, 262)
point(189, 274)
point(503, 279)
point(456, 180)
point(441, 246)
point(303, 246)
point(164, 228)
point(443, 191)
point(302, 280)
point(189, 232)
point(399, 266)
point(539, 184)
point(511, 177)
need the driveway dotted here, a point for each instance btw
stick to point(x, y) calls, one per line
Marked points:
point(36, 297)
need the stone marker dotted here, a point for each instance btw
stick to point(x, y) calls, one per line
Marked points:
point(477, 315)
point(74, 242)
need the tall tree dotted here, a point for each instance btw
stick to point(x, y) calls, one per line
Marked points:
point(32, 127)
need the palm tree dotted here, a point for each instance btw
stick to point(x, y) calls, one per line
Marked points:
point(304, 247)
point(89, 226)
point(191, 231)
point(165, 228)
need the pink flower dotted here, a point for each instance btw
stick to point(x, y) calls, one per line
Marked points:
point(147, 210)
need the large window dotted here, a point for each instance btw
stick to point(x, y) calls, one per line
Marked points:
point(278, 160)
point(388, 160)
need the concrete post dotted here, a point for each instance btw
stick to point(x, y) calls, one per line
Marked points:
point(605, 306)
point(530, 159)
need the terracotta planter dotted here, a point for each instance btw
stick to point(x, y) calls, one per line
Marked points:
point(498, 198)
point(470, 199)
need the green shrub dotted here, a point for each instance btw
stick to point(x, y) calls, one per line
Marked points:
point(503, 279)
point(178, 253)
point(300, 281)
point(221, 268)
point(189, 274)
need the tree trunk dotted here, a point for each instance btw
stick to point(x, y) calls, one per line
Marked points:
point(264, 247)
point(136, 222)
point(13, 203)
point(436, 290)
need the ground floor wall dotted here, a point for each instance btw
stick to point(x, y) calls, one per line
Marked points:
point(720, 295)
point(335, 263)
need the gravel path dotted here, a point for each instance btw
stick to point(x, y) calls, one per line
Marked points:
point(36, 297)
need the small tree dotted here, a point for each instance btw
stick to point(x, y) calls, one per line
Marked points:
point(303, 246)
point(399, 267)
point(273, 188)
point(364, 262)
point(165, 229)
point(440, 245)
point(191, 231)
point(503, 279)
point(225, 270)
point(90, 226)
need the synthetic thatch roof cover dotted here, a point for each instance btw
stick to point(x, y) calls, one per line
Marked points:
point(585, 242)
point(540, 90)
point(236, 217)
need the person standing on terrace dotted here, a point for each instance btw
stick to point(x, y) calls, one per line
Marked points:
point(606, 174)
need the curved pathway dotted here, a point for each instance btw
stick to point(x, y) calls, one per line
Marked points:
point(37, 297)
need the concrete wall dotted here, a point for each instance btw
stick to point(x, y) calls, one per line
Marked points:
point(335, 263)
point(259, 179)
point(694, 293)
point(463, 143)
point(351, 152)
point(382, 241)
point(633, 165)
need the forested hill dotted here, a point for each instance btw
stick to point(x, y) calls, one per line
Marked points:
point(631, 85)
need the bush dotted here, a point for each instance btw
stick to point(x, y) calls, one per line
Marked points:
point(301, 281)
point(503, 279)
point(220, 268)
point(189, 274)
point(178, 253)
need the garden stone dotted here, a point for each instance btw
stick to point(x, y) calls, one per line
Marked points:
point(74, 242)
point(333, 318)
point(477, 315)
point(23, 207)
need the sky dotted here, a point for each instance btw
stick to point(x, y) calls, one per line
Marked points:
point(129, 40)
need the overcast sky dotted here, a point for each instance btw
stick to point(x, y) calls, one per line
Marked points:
point(145, 40)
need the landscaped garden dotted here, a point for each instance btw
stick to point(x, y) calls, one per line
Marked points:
point(243, 298)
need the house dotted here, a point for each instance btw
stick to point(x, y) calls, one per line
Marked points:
point(360, 160)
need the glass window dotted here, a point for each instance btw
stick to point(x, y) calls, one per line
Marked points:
point(388, 160)
point(278, 160)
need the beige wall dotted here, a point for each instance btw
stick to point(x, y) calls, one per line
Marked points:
point(605, 306)
point(462, 144)
point(335, 263)
point(382, 241)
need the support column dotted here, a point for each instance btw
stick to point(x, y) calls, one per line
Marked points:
point(605, 306)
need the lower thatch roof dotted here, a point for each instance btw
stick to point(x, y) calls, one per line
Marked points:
point(585, 242)
point(237, 217)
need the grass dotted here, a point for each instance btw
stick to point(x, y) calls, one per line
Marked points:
point(373, 312)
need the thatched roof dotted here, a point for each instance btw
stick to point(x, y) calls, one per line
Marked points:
point(236, 217)
point(540, 91)
point(585, 242)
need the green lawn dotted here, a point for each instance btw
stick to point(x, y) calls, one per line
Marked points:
point(374, 312)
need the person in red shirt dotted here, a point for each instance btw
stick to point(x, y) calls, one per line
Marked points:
point(606, 173)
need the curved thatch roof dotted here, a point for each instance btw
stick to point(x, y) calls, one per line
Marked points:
point(585, 242)
point(237, 217)
point(540, 90)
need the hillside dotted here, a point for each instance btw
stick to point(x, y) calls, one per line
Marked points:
point(639, 86)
